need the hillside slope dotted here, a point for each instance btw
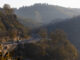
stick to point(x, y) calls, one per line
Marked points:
point(44, 13)
point(10, 27)
point(71, 27)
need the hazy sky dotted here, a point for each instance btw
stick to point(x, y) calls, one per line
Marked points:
point(20, 3)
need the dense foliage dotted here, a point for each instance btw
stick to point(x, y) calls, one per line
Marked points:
point(9, 25)
point(50, 46)
point(56, 47)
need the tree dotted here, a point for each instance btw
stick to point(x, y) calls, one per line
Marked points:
point(64, 52)
point(6, 6)
point(61, 48)
point(52, 36)
point(1, 14)
point(13, 33)
point(43, 33)
point(7, 9)
point(60, 35)
point(43, 50)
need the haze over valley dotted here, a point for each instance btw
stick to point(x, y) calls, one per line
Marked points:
point(46, 13)
point(39, 32)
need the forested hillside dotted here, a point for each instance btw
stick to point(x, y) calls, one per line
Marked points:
point(71, 27)
point(9, 24)
point(54, 46)
point(44, 13)
point(45, 43)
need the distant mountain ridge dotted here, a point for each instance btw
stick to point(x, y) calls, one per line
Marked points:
point(71, 27)
point(45, 13)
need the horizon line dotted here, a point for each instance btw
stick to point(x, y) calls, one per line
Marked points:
point(41, 4)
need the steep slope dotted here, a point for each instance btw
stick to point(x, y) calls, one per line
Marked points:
point(71, 27)
point(46, 13)
point(10, 21)
point(10, 26)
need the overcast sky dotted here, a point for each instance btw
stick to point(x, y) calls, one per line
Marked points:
point(20, 3)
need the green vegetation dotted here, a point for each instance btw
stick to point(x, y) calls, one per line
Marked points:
point(10, 26)
point(57, 48)
point(51, 46)
point(8, 9)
